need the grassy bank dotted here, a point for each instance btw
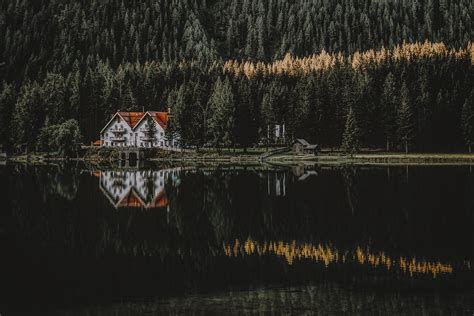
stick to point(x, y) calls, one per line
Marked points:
point(211, 155)
point(254, 156)
point(376, 158)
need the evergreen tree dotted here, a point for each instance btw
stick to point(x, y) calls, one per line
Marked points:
point(53, 95)
point(267, 117)
point(300, 124)
point(389, 109)
point(150, 131)
point(129, 101)
point(351, 137)
point(467, 121)
point(7, 103)
point(28, 117)
point(247, 115)
point(405, 120)
point(220, 125)
point(185, 118)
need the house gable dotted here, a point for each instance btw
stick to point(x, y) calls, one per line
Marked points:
point(160, 118)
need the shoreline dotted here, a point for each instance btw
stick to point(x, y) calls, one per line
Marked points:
point(332, 158)
point(377, 159)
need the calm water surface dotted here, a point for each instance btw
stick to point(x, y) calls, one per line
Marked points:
point(81, 240)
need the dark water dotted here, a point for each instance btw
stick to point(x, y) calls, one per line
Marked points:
point(77, 240)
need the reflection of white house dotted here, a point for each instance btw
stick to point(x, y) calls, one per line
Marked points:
point(137, 129)
point(276, 183)
point(136, 188)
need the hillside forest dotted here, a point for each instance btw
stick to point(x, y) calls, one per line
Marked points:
point(394, 74)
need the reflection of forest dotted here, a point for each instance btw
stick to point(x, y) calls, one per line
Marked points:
point(320, 299)
point(209, 206)
point(67, 229)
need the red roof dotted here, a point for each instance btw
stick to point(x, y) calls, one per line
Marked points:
point(132, 118)
point(96, 174)
point(160, 117)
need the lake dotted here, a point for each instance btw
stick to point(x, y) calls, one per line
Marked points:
point(222, 239)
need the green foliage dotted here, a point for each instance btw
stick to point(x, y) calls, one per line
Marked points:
point(28, 117)
point(405, 119)
point(187, 115)
point(389, 102)
point(220, 124)
point(139, 31)
point(64, 138)
point(467, 120)
point(86, 60)
point(7, 102)
point(351, 138)
point(150, 131)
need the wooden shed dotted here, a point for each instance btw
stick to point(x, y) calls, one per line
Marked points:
point(301, 146)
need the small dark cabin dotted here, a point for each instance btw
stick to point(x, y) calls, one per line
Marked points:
point(301, 146)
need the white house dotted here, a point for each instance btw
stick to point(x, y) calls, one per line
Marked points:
point(133, 129)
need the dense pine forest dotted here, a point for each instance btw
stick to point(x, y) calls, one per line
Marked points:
point(392, 74)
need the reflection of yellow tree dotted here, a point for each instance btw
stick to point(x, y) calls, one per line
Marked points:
point(329, 255)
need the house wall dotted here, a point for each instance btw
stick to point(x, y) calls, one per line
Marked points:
point(112, 138)
point(298, 148)
point(141, 137)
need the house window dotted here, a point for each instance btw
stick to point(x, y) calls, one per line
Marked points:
point(161, 144)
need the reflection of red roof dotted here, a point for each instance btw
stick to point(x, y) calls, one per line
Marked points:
point(160, 117)
point(131, 200)
point(161, 200)
point(132, 118)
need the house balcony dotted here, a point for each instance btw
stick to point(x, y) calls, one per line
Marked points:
point(118, 131)
point(148, 139)
point(118, 139)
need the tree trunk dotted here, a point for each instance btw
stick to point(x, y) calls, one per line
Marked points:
point(406, 147)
